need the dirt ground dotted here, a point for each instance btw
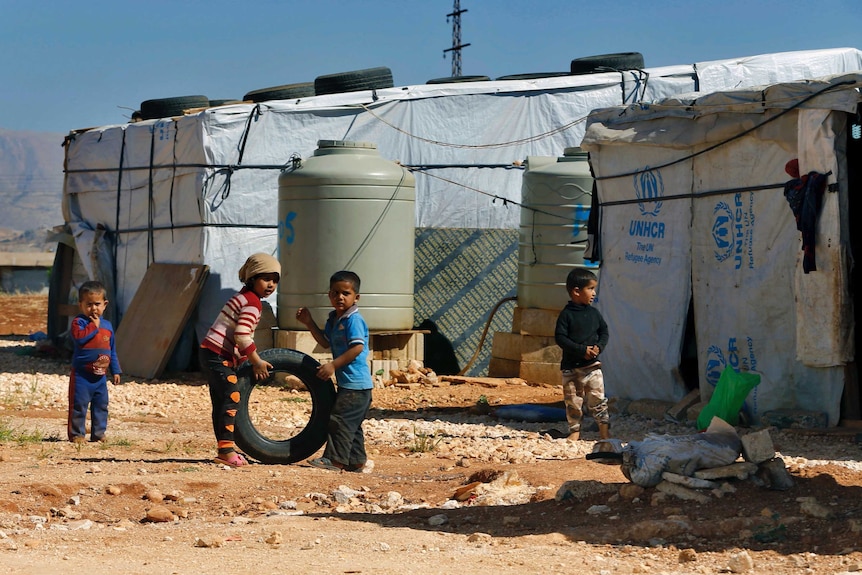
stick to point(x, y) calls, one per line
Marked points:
point(150, 499)
point(23, 314)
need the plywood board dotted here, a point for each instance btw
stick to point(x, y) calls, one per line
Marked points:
point(155, 319)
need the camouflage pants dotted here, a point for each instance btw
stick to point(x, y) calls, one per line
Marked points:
point(584, 391)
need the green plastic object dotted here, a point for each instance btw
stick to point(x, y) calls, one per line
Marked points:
point(727, 399)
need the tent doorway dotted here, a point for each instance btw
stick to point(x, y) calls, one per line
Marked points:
point(688, 354)
point(851, 402)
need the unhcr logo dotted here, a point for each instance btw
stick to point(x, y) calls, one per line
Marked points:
point(733, 230)
point(649, 188)
point(722, 231)
point(715, 363)
point(740, 356)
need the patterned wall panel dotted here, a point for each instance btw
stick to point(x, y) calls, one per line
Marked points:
point(460, 275)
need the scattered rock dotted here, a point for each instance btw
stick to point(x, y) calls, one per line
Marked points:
point(692, 482)
point(687, 555)
point(159, 514)
point(739, 470)
point(275, 538)
point(681, 492)
point(631, 491)
point(598, 509)
point(740, 562)
point(464, 492)
point(209, 541)
point(438, 520)
point(774, 475)
point(154, 495)
point(809, 506)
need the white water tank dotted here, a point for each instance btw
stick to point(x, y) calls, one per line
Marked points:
point(347, 208)
point(556, 194)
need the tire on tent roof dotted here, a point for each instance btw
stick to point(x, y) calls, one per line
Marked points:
point(285, 92)
point(534, 75)
point(355, 81)
point(607, 63)
point(169, 107)
point(454, 79)
point(311, 437)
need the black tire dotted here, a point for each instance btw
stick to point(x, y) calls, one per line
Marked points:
point(367, 79)
point(311, 437)
point(285, 92)
point(454, 79)
point(169, 107)
point(533, 75)
point(608, 63)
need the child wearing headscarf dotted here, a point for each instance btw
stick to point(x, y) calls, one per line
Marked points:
point(230, 342)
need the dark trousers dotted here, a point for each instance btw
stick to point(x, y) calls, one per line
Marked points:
point(346, 442)
point(224, 395)
point(87, 394)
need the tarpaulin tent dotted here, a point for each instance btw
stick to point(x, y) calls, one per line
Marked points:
point(203, 188)
point(692, 202)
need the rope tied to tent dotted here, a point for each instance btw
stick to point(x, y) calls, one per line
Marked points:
point(293, 163)
point(229, 170)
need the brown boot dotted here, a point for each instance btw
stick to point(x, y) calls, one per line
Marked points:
point(604, 431)
point(574, 435)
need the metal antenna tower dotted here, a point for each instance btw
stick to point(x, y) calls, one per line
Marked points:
point(456, 38)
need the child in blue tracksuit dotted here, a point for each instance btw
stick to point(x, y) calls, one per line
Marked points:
point(93, 356)
point(347, 334)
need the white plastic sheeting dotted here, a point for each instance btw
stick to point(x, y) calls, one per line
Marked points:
point(729, 242)
point(203, 188)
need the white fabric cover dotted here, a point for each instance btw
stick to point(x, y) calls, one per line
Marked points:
point(739, 252)
point(175, 199)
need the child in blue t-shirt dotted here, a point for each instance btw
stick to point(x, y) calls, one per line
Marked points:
point(347, 334)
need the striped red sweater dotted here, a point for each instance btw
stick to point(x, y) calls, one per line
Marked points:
point(232, 333)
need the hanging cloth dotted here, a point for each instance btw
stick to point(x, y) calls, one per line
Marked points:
point(805, 196)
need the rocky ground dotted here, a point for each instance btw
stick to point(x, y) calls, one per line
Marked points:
point(150, 499)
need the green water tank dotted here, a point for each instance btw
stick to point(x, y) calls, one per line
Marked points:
point(347, 208)
point(556, 194)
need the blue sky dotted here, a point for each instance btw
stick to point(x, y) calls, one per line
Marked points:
point(76, 64)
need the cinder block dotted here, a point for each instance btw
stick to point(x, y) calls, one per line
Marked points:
point(398, 346)
point(519, 347)
point(540, 372)
point(534, 321)
point(516, 319)
point(263, 334)
point(757, 446)
point(500, 367)
point(264, 338)
point(678, 411)
point(542, 349)
point(506, 346)
point(301, 341)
